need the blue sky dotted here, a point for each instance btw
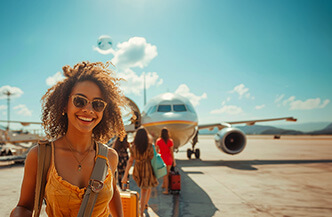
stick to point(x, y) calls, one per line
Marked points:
point(235, 60)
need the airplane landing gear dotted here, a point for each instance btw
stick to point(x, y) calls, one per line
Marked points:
point(193, 150)
point(197, 153)
point(189, 152)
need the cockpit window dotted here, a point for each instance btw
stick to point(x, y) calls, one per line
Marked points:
point(151, 110)
point(164, 108)
point(190, 108)
point(179, 108)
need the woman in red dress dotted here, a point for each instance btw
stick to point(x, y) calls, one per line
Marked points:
point(165, 148)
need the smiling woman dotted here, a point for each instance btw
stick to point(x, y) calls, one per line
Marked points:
point(78, 113)
point(57, 97)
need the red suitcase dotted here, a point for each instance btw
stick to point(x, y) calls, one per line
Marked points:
point(174, 180)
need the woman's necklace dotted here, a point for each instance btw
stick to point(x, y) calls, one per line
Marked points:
point(78, 161)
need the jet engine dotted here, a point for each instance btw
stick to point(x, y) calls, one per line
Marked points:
point(230, 140)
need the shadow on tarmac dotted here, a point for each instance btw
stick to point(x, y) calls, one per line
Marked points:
point(244, 164)
point(190, 201)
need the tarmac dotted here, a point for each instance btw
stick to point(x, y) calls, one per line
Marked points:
point(290, 176)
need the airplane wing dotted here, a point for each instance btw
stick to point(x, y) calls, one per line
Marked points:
point(250, 122)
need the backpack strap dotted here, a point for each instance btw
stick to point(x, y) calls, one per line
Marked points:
point(44, 161)
point(96, 182)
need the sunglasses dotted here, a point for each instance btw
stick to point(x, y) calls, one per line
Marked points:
point(80, 102)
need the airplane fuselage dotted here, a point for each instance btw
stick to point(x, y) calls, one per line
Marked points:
point(174, 112)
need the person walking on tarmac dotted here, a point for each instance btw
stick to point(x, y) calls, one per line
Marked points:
point(121, 148)
point(142, 152)
point(164, 146)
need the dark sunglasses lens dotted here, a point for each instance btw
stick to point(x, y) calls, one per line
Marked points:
point(79, 102)
point(98, 106)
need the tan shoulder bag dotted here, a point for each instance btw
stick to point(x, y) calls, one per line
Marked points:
point(44, 161)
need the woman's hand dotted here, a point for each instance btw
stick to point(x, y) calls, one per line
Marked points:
point(124, 183)
point(124, 180)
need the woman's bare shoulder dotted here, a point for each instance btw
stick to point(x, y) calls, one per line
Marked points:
point(112, 152)
point(33, 154)
point(112, 158)
point(31, 160)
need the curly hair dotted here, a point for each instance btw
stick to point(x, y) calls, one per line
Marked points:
point(56, 98)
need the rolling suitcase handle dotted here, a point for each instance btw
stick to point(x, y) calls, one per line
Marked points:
point(125, 186)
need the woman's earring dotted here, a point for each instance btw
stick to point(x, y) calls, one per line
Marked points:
point(63, 113)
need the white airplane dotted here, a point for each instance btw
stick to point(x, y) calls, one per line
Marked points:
point(178, 115)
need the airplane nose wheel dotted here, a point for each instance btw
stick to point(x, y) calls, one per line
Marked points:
point(196, 152)
point(189, 152)
point(193, 150)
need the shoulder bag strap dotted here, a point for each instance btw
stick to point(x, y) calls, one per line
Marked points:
point(96, 182)
point(44, 160)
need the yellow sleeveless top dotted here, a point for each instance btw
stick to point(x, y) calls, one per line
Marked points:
point(64, 199)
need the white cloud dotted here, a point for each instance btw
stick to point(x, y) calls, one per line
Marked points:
point(135, 52)
point(279, 98)
point(135, 84)
point(258, 107)
point(224, 102)
point(52, 80)
point(242, 91)
point(290, 99)
point(104, 52)
point(3, 107)
point(308, 104)
point(184, 91)
point(160, 82)
point(228, 109)
point(14, 91)
point(23, 110)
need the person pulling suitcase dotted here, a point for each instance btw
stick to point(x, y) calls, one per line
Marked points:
point(164, 146)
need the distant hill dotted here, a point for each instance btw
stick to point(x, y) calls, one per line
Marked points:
point(326, 131)
point(270, 130)
point(208, 132)
point(304, 127)
point(279, 131)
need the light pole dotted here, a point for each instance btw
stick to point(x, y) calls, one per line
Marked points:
point(8, 94)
